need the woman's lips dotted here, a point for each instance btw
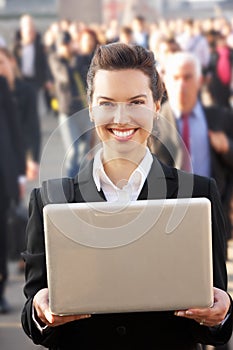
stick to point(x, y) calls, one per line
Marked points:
point(123, 134)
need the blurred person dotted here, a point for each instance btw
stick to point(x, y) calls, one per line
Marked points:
point(112, 31)
point(31, 59)
point(140, 31)
point(67, 69)
point(74, 31)
point(12, 176)
point(126, 35)
point(195, 42)
point(50, 37)
point(155, 35)
point(124, 78)
point(30, 54)
point(100, 31)
point(64, 25)
point(166, 46)
point(26, 112)
point(88, 41)
point(50, 40)
point(219, 71)
point(206, 132)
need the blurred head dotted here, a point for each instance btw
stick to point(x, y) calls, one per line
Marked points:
point(138, 24)
point(188, 26)
point(27, 29)
point(63, 44)
point(124, 91)
point(87, 41)
point(64, 25)
point(126, 35)
point(182, 80)
point(167, 46)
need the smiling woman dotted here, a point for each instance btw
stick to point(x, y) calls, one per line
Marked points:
point(124, 91)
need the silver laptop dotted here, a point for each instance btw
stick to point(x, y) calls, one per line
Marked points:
point(147, 255)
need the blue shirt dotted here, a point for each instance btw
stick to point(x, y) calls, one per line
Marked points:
point(199, 140)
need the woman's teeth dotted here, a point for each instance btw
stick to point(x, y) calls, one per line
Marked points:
point(123, 134)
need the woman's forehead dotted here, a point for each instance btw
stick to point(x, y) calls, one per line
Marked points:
point(125, 82)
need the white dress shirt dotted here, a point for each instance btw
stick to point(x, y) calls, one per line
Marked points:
point(130, 189)
point(28, 58)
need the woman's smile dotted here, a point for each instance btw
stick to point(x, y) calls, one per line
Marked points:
point(123, 134)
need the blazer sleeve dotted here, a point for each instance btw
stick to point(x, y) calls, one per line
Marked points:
point(220, 335)
point(35, 273)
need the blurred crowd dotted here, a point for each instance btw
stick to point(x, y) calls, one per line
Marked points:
point(55, 64)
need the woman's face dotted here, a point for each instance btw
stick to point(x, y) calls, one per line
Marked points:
point(123, 110)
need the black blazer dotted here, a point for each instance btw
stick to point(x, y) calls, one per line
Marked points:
point(157, 330)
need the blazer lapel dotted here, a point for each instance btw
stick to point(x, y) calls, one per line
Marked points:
point(161, 183)
point(86, 189)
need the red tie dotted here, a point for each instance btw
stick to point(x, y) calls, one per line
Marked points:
point(186, 139)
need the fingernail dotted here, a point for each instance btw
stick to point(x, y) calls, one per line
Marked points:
point(180, 313)
point(49, 316)
point(189, 312)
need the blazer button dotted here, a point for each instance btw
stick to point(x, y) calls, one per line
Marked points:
point(121, 330)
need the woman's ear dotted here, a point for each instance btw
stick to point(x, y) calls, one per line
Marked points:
point(157, 109)
point(157, 106)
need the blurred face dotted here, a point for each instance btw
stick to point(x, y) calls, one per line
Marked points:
point(87, 43)
point(182, 85)
point(27, 30)
point(123, 111)
point(6, 69)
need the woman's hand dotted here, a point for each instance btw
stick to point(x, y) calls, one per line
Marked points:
point(212, 316)
point(44, 315)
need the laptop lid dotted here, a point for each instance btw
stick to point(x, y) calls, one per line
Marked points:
point(148, 255)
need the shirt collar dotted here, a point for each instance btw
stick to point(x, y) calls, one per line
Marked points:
point(196, 111)
point(136, 179)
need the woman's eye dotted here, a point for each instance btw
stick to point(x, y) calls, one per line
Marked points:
point(107, 104)
point(138, 102)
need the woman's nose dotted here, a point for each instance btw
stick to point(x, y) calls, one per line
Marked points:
point(121, 116)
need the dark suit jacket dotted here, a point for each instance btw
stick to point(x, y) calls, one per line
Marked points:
point(157, 330)
point(40, 63)
point(168, 149)
point(12, 160)
point(167, 145)
point(25, 99)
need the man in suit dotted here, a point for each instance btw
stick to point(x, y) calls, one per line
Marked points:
point(32, 62)
point(30, 53)
point(206, 133)
point(12, 168)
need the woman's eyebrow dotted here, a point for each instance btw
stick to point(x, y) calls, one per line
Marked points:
point(105, 98)
point(129, 99)
point(137, 96)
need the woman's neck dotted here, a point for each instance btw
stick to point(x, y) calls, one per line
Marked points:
point(119, 169)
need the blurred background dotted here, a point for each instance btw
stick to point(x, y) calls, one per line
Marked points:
point(36, 38)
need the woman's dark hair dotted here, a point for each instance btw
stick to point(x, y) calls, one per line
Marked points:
point(119, 56)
